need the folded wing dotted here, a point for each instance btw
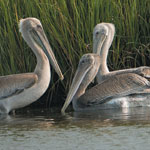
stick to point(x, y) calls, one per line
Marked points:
point(14, 84)
point(116, 86)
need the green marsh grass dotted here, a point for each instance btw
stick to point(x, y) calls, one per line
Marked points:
point(69, 25)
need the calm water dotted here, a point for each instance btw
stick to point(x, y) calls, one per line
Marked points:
point(104, 130)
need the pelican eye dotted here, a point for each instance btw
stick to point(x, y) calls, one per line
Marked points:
point(83, 61)
point(96, 33)
point(39, 26)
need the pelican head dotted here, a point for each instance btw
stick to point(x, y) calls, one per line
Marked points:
point(31, 28)
point(86, 72)
point(100, 34)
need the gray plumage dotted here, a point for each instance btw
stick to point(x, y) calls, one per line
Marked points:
point(14, 84)
point(117, 90)
point(117, 86)
point(121, 88)
point(19, 90)
point(103, 35)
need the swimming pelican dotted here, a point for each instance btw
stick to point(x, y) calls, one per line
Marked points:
point(103, 35)
point(19, 90)
point(117, 91)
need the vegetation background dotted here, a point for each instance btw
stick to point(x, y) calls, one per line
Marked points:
point(69, 25)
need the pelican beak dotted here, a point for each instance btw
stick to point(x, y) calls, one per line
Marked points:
point(77, 80)
point(41, 39)
point(98, 43)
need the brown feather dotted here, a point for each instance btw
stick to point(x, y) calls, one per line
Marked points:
point(116, 86)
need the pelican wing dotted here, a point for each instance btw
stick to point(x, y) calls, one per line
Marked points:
point(116, 86)
point(143, 71)
point(14, 84)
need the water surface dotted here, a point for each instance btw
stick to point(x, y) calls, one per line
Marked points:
point(106, 129)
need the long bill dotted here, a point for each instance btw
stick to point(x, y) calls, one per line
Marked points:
point(41, 39)
point(97, 44)
point(77, 80)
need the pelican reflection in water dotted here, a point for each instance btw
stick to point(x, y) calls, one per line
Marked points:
point(19, 90)
point(118, 91)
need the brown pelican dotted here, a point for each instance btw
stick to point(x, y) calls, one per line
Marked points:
point(103, 35)
point(117, 91)
point(19, 90)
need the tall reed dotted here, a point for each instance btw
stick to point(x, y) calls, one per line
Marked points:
point(69, 25)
